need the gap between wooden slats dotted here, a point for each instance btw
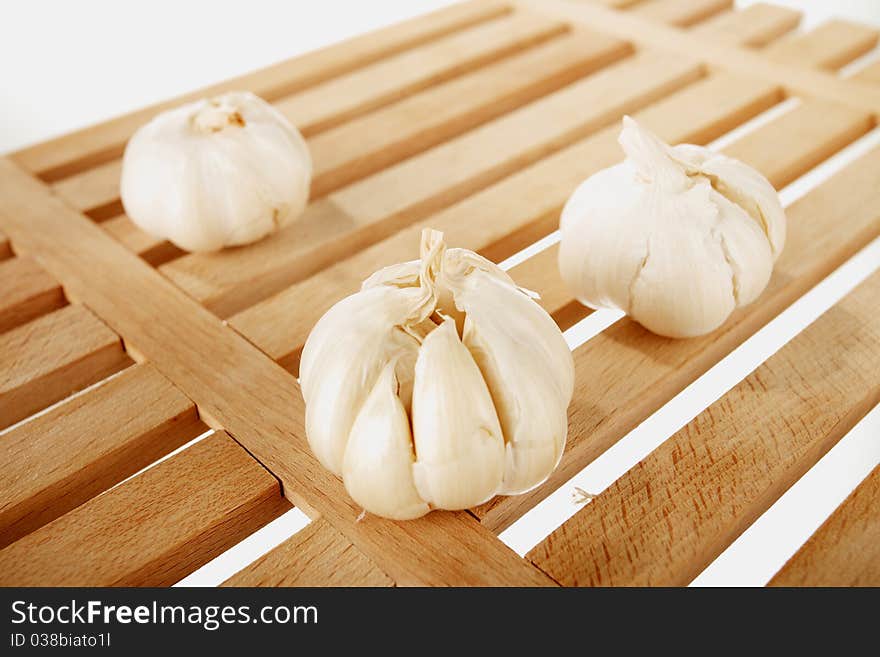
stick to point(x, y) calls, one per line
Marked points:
point(5, 247)
point(523, 207)
point(27, 293)
point(52, 356)
point(95, 145)
point(96, 191)
point(367, 211)
point(831, 45)
point(845, 550)
point(675, 511)
point(64, 457)
point(153, 529)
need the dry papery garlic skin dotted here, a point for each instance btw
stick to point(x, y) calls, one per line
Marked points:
point(676, 237)
point(219, 172)
point(438, 385)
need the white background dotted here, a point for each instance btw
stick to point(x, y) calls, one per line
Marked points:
point(64, 65)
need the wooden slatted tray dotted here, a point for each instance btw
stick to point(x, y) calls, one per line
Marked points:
point(478, 120)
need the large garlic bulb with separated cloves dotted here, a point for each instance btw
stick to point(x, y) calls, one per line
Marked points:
point(437, 386)
point(219, 172)
point(676, 237)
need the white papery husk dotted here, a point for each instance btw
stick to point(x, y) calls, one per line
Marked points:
point(487, 370)
point(675, 237)
point(219, 172)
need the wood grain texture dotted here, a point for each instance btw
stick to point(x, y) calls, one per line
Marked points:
point(237, 388)
point(797, 79)
point(154, 250)
point(78, 449)
point(626, 373)
point(831, 45)
point(318, 555)
point(376, 207)
point(155, 528)
point(341, 99)
point(365, 145)
point(96, 191)
point(26, 293)
point(64, 156)
point(681, 13)
point(869, 74)
point(845, 550)
point(754, 26)
point(667, 518)
point(53, 356)
point(523, 207)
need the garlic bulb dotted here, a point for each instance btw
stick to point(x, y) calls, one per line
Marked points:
point(214, 173)
point(676, 237)
point(437, 386)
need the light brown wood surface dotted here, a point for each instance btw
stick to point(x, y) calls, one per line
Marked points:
point(61, 157)
point(761, 23)
point(626, 373)
point(676, 510)
point(26, 293)
point(57, 461)
point(317, 555)
point(53, 356)
point(155, 528)
point(830, 45)
point(5, 247)
point(239, 389)
point(870, 74)
point(522, 207)
point(845, 550)
point(680, 13)
point(798, 79)
point(344, 98)
point(154, 250)
point(375, 207)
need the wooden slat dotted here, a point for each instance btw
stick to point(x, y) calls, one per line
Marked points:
point(672, 514)
point(363, 146)
point(238, 388)
point(522, 207)
point(375, 207)
point(681, 13)
point(869, 74)
point(80, 448)
point(333, 102)
point(152, 249)
point(754, 26)
point(27, 292)
point(97, 190)
point(316, 556)
point(49, 358)
point(831, 45)
point(155, 528)
point(845, 550)
point(640, 371)
point(797, 79)
point(91, 146)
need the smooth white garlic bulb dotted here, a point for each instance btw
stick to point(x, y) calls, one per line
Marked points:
point(676, 237)
point(220, 172)
point(437, 386)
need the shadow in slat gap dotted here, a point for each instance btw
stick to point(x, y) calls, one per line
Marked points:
point(860, 63)
point(218, 570)
point(535, 525)
point(760, 551)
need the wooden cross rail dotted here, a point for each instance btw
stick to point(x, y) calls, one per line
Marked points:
point(478, 120)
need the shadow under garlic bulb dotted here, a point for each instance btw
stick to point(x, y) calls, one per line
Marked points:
point(438, 385)
point(220, 172)
point(676, 237)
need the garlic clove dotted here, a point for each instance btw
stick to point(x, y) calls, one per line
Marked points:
point(343, 357)
point(378, 464)
point(528, 369)
point(458, 440)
